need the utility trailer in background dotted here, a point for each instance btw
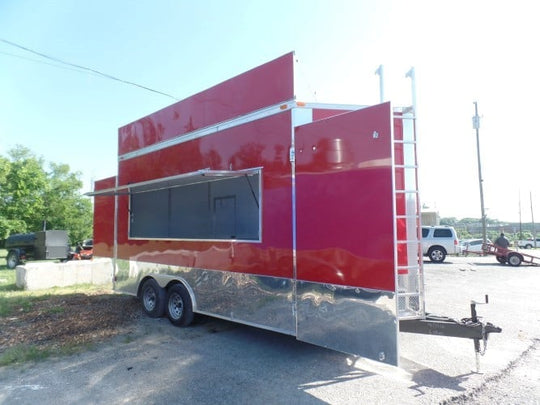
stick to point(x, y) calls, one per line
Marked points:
point(243, 203)
point(513, 258)
point(41, 245)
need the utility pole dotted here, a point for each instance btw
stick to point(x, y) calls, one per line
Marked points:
point(532, 219)
point(520, 223)
point(476, 126)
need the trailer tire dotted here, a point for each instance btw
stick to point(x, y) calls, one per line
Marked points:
point(153, 298)
point(12, 259)
point(437, 254)
point(514, 259)
point(179, 306)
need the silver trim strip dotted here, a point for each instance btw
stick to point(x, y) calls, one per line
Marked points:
point(115, 236)
point(199, 133)
point(407, 216)
point(406, 166)
point(395, 233)
point(329, 106)
point(292, 160)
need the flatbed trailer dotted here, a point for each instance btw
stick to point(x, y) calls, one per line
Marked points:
point(243, 203)
point(512, 257)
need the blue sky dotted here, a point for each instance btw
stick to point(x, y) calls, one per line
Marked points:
point(463, 51)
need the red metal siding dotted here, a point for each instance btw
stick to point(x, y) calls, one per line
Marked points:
point(263, 143)
point(104, 219)
point(263, 86)
point(345, 200)
point(322, 113)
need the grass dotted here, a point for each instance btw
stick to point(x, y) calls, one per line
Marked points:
point(7, 280)
point(23, 353)
point(31, 353)
point(13, 298)
point(11, 304)
point(14, 301)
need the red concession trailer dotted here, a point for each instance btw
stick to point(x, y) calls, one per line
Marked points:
point(242, 203)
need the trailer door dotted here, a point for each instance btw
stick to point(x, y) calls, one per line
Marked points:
point(345, 249)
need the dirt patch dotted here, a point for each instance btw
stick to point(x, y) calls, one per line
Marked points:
point(69, 320)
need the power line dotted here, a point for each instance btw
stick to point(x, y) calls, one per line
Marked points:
point(40, 61)
point(97, 72)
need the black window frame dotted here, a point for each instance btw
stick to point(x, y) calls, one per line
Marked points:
point(199, 219)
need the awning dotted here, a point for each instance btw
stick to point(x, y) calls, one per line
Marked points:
point(200, 176)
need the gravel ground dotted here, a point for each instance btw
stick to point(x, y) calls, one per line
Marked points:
point(519, 383)
point(220, 362)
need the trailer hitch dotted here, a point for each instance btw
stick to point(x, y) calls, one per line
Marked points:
point(469, 328)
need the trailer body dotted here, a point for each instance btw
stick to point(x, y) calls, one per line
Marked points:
point(301, 218)
point(42, 245)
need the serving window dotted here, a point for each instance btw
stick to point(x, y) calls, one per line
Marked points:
point(217, 206)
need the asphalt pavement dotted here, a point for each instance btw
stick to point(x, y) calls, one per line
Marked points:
point(217, 361)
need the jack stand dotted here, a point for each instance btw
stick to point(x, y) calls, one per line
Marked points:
point(474, 319)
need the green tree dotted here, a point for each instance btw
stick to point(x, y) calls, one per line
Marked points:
point(450, 221)
point(21, 191)
point(30, 195)
point(65, 208)
point(466, 221)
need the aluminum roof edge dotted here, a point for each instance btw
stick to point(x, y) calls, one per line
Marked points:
point(104, 192)
point(173, 181)
point(350, 107)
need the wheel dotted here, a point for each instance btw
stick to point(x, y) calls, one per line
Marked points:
point(501, 259)
point(153, 298)
point(12, 259)
point(179, 306)
point(528, 246)
point(437, 254)
point(514, 259)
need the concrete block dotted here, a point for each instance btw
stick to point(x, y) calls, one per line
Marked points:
point(43, 275)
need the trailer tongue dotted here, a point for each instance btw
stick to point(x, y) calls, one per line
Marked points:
point(468, 328)
point(243, 203)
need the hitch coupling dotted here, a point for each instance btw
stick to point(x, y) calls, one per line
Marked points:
point(470, 328)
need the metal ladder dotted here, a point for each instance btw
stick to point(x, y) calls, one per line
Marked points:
point(407, 220)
